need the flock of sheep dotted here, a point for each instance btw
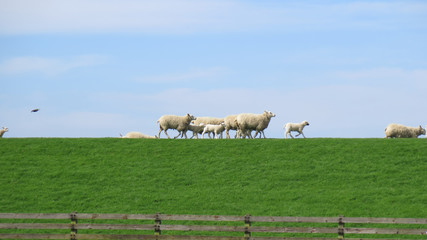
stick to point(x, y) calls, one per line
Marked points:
point(245, 123)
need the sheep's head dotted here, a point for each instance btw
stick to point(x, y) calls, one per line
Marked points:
point(422, 131)
point(5, 129)
point(269, 114)
point(305, 123)
point(191, 117)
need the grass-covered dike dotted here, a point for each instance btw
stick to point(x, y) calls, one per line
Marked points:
point(263, 177)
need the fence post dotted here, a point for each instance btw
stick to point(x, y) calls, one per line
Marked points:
point(247, 225)
point(157, 223)
point(73, 217)
point(340, 227)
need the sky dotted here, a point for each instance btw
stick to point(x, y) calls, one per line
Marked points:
point(98, 68)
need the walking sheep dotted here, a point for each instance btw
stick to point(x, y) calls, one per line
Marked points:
point(3, 130)
point(230, 124)
point(216, 129)
point(295, 127)
point(179, 123)
point(394, 130)
point(137, 135)
point(256, 122)
point(196, 129)
point(208, 120)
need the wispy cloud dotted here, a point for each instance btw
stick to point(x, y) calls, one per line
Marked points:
point(191, 75)
point(48, 66)
point(189, 16)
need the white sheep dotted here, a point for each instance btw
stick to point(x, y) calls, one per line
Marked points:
point(137, 135)
point(216, 129)
point(295, 127)
point(256, 122)
point(196, 129)
point(394, 130)
point(230, 124)
point(3, 130)
point(208, 120)
point(179, 123)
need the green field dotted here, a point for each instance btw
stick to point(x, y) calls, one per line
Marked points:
point(262, 177)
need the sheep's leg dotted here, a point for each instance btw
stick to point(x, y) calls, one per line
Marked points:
point(291, 135)
point(262, 134)
point(227, 135)
point(256, 133)
point(160, 131)
point(166, 132)
point(303, 134)
point(179, 134)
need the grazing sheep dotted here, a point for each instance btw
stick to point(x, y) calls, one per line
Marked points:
point(257, 122)
point(137, 135)
point(216, 129)
point(180, 123)
point(394, 130)
point(196, 129)
point(3, 130)
point(230, 124)
point(295, 127)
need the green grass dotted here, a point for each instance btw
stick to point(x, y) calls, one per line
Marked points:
point(276, 177)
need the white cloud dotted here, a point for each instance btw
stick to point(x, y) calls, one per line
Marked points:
point(188, 16)
point(48, 66)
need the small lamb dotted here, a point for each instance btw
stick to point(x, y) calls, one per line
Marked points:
point(3, 130)
point(295, 127)
point(216, 129)
point(196, 129)
point(400, 131)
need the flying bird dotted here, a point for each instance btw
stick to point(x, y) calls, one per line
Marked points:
point(35, 110)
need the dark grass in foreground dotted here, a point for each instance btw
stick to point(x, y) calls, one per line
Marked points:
point(276, 177)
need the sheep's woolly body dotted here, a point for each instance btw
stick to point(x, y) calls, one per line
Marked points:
point(138, 135)
point(208, 120)
point(394, 130)
point(230, 124)
point(256, 122)
point(3, 130)
point(295, 127)
point(179, 123)
point(216, 129)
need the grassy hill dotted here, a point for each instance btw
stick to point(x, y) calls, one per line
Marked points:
point(301, 177)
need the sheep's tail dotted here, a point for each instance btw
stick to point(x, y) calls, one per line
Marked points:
point(158, 121)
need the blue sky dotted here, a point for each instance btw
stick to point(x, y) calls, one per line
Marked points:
point(99, 68)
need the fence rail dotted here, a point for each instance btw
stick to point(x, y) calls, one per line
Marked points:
point(246, 228)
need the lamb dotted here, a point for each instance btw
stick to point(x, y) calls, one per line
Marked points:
point(208, 120)
point(295, 127)
point(180, 123)
point(3, 130)
point(230, 123)
point(257, 122)
point(196, 129)
point(394, 130)
point(137, 135)
point(216, 129)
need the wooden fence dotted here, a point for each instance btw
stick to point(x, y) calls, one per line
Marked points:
point(208, 227)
